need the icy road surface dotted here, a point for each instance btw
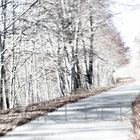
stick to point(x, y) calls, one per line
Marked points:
point(102, 117)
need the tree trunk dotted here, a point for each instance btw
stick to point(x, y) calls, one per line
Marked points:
point(90, 73)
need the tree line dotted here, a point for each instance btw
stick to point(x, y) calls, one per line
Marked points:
point(53, 48)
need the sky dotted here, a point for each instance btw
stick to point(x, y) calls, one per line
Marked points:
point(127, 21)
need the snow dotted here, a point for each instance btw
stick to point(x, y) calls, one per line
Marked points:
point(102, 117)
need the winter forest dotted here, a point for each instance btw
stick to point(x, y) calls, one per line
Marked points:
point(50, 49)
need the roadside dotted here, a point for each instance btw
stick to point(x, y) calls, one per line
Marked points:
point(10, 119)
point(135, 132)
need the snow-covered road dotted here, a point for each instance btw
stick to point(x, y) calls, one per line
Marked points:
point(102, 117)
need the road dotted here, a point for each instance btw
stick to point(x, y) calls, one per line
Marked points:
point(102, 117)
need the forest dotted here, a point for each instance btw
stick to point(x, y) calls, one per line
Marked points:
point(51, 49)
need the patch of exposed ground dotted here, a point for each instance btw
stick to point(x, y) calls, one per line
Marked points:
point(11, 118)
point(135, 132)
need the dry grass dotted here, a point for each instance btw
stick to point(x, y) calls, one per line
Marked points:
point(9, 119)
point(135, 132)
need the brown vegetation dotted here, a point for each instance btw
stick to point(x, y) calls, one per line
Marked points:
point(11, 118)
point(135, 132)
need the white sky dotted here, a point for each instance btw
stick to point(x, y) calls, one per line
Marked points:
point(127, 21)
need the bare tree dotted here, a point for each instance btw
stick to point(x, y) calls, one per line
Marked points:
point(54, 48)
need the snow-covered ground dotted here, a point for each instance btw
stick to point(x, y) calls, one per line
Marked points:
point(102, 117)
